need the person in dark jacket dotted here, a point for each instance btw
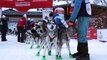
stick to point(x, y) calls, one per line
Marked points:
point(81, 12)
point(4, 27)
point(21, 28)
point(0, 25)
point(30, 23)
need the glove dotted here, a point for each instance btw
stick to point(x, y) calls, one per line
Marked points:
point(70, 23)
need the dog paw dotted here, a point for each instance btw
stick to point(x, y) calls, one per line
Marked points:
point(49, 53)
point(43, 58)
point(70, 55)
point(38, 54)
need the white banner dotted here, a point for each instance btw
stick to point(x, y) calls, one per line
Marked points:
point(102, 35)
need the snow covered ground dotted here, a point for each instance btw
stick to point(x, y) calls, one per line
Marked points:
point(12, 50)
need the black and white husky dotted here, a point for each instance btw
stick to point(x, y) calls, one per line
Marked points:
point(41, 30)
point(37, 34)
point(51, 38)
point(64, 34)
point(32, 37)
point(57, 37)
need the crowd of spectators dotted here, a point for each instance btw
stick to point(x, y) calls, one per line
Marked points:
point(99, 23)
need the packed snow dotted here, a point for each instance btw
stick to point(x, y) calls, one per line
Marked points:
point(13, 50)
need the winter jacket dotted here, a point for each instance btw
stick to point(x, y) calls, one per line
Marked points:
point(79, 9)
point(83, 11)
point(22, 22)
point(4, 24)
point(60, 22)
point(0, 25)
point(30, 25)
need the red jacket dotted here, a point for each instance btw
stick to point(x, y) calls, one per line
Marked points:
point(22, 22)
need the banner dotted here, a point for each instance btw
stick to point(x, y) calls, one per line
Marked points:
point(24, 5)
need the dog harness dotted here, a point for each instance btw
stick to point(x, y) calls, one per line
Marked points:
point(51, 38)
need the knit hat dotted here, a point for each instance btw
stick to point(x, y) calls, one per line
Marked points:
point(25, 15)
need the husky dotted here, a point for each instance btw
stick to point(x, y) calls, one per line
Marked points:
point(51, 38)
point(35, 34)
point(64, 34)
point(32, 36)
point(41, 30)
point(28, 36)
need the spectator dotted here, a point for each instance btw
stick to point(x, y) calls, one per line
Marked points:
point(4, 27)
point(32, 24)
point(21, 28)
point(0, 24)
point(82, 12)
point(28, 23)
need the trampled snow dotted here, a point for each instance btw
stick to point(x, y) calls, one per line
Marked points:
point(13, 50)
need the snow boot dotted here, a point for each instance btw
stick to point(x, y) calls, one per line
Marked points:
point(70, 55)
point(59, 57)
point(38, 54)
point(83, 52)
point(43, 58)
point(77, 53)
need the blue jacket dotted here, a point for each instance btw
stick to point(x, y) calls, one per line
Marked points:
point(57, 19)
point(77, 6)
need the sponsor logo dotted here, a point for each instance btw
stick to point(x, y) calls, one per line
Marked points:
point(40, 0)
point(22, 3)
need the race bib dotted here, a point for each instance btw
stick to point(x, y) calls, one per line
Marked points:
point(88, 7)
